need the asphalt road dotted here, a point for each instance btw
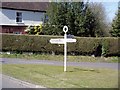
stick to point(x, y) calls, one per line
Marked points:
point(10, 82)
point(58, 63)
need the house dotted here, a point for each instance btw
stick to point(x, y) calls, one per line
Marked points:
point(16, 16)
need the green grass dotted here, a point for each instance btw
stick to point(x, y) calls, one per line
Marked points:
point(54, 77)
point(60, 58)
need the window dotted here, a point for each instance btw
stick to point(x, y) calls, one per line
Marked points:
point(18, 16)
point(46, 19)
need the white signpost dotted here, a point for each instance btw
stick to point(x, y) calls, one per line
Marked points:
point(63, 41)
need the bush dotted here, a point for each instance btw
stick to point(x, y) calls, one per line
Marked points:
point(34, 30)
point(28, 43)
point(87, 45)
point(110, 46)
point(83, 46)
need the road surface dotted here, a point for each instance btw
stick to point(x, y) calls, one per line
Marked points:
point(59, 63)
point(10, 82)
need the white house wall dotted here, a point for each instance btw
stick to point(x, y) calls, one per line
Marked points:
point(29, 17)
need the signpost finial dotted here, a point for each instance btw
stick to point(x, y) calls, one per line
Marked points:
point(65, 29)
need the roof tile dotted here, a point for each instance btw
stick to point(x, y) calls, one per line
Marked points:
point(34, 6)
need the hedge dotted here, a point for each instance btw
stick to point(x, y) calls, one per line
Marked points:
point(83, 46)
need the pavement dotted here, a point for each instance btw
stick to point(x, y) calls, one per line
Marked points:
point(60, 63)
point(10, 82)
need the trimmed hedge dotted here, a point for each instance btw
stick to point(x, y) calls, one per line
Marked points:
point(28, 43)
point(111, 46)
point(83, 46)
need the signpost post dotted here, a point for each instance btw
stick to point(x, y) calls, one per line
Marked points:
point(63, 41)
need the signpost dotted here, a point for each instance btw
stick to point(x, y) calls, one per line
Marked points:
point(63, 41)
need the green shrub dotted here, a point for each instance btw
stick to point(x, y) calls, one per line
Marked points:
point(34, 30)
point(105, 47)
point(110, 46)
point(83, 46)
point(86, 45)
point(28, 43)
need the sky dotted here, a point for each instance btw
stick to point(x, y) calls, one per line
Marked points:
point(111, 7)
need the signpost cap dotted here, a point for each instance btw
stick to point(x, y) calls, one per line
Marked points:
point(65, 29)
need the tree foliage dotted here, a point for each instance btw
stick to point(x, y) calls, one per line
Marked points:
point(115, 32)
point(102, 26)
point(78, 16)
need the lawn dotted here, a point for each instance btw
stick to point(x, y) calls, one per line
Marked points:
point(60, 58)
point(54, 77)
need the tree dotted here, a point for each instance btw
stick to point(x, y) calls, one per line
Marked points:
point(65, 13)
point(89, 23)
point(75, 18)
point(57, 18)
point(115, 32)
point(98, 11)
point(78, 16)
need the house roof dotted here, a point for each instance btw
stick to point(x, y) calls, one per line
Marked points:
point(30, 6)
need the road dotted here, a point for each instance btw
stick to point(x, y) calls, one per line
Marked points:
point(10, 82)
point(58, 63)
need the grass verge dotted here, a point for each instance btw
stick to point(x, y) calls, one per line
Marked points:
point(60, 58)
point(54, 77)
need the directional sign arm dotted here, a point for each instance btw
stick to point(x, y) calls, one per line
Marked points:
point(57, 41)
point(61, 41)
